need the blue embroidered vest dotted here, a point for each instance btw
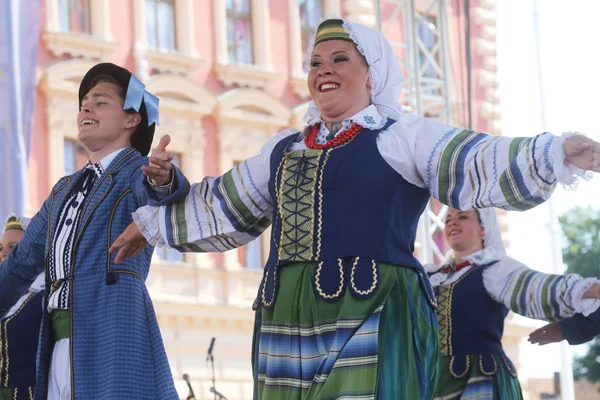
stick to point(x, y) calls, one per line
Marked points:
point(19, 335)
point(471, 323)
point(344, 208)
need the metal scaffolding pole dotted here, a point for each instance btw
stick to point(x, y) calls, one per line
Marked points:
point(567, 389)
point(424, 57)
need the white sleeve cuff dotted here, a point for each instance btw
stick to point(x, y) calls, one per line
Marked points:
point(584, 306)
point(147, 219)
point(567, 175)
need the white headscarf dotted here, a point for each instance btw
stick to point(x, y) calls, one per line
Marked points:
point(385, 73)
point(493, 246)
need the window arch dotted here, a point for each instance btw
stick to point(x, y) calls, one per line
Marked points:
point(247, 118)
point(60, 84)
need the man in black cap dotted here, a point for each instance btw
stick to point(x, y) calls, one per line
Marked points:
point(99, 337)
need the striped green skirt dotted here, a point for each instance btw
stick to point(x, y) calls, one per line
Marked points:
point(384, 347)
point(475, 385)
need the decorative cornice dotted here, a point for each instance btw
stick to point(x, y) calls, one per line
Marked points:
point(246, 76)
point(172, 62)
point(78, 45)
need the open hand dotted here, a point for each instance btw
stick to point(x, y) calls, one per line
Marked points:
point(583, 153)
point(130, 243)
point(159, 170)
point(550, 333)
point(593, 292)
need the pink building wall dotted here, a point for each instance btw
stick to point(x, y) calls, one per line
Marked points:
point(123, 31)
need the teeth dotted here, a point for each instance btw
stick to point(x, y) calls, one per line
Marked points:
point(88, 122)
point(328, 86)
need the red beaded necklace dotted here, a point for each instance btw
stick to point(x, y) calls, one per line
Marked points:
point(339, 139)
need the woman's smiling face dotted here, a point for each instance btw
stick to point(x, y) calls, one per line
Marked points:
point(338, 80)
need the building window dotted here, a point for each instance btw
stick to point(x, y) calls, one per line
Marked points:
point(76, 156)
point(74, 16)
point(160, 24)
point(239, 32)
point(167, 254)
point(311, 12)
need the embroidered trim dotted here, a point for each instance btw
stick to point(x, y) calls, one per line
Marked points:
point(445, 312)
point(6, 357)
point(279, 205)
point(483, 371)
point(432, 299)
point(264, 288)
point(296, 198)
point(454, 374)
point(252, 182)
point(320, 213)
point(375, 278)
point(110, 222)
point(433, 151)
point(318, 283)
point(509, 365)
point(124, 271)
point(48, 235)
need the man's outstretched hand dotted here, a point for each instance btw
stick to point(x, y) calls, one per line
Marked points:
point(129, 244)
point(159, 170)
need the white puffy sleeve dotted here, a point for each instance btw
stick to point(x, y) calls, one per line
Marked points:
point(538, 295)
point(466, 169)
point(218, 214)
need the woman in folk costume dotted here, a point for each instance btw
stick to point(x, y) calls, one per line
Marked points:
point(344, 309)
point(475, 291)
point(20, 327)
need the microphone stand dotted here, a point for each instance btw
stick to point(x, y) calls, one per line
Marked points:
point(218, 395)
point(191, 395)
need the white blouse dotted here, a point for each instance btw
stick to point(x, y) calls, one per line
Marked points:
point(523, 290)
point(461, 168)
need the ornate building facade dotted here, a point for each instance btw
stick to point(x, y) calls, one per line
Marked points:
point(230, 74)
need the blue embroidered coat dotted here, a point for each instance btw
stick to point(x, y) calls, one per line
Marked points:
point(579, 329)
point(116, 347)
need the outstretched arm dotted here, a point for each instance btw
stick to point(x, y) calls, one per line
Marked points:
point(218, 214)
point(466, 169)
point(25, 261)
point(538, 295)
point(160, 182)
point(576, 329)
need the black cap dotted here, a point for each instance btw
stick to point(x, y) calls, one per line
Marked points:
point(141, 139)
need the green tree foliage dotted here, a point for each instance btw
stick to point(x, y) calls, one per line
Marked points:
point(581, 229)
point(588, 366)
